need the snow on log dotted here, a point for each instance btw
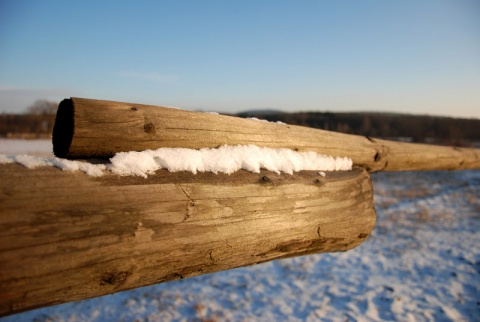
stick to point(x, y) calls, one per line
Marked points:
point(68, 236)
point(226, 159)
point(95, 128)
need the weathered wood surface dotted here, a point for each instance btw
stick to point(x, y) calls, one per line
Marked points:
point(94, 128)
point(67, 236)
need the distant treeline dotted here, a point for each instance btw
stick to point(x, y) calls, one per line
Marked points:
point(400, 127)
point(36, 122)
point(27, 126)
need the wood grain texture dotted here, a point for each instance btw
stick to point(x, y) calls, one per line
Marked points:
point(94, 128)
point(67, 236)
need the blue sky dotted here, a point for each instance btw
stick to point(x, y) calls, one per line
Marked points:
point(418, 57)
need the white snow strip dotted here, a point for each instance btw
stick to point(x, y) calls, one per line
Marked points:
point(31, 162)
point(226, 159)
point(260, 120)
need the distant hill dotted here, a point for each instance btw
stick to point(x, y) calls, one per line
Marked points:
point(400, 127)
point(256, 113)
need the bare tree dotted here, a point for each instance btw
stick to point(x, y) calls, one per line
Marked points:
point(43, 107)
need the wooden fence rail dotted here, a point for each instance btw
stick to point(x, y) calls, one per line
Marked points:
point(94, 128)
point(68, 236)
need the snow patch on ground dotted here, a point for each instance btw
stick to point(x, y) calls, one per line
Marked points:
point(31, 147)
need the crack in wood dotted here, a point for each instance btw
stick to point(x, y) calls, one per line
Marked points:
point(305, 247)
point(190, 205)
point(370, 139)
point(213, 260)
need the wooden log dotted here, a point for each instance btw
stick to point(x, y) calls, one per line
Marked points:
point(68, 236)
point(94, 128)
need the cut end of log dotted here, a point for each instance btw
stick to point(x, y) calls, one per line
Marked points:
point(63, 128)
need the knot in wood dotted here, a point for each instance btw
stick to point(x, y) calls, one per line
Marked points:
point(113, 278)
point(149, 128)
point(264, 180)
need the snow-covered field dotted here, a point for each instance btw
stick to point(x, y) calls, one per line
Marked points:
point(421, 263)
point(31, 147)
